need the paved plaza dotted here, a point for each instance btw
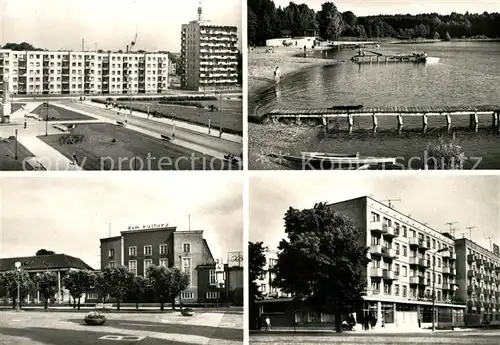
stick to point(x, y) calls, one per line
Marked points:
point(68, 328)
point(479, 337)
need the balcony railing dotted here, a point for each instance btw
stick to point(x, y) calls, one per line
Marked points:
point(376, 273)
point(377, 227)
point(422, 262)
point(471, 273)
point(388, 252)
point(479, 262)
point(414, 241)
point(480, 276)
point(390, 231)
point(414, 280)
point(446, 286)
point(389, 275)
point(414, 261)
point(376, 249)
point(471, 257)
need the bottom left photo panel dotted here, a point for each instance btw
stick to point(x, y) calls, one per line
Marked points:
point(142, 258)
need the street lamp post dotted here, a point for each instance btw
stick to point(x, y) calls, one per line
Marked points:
point(18, 267)
point(15, 156)
point(180, 293)
point(434, 289)
point(81, 85)
point(220, 113)
point(47, 118)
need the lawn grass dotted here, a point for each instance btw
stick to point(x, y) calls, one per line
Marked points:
point(8, 153)
point(59, 114)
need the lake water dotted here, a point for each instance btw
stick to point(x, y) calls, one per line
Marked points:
point(459, 73)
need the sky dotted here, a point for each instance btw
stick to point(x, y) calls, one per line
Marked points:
point(436, 200)
point(374, 7)
point(70, 214)
point(111, 24)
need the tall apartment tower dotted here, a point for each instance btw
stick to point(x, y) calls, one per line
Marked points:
point(84, 73)
point(409, 264)
point(209, 55)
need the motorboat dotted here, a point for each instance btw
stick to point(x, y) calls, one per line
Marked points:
point(312, 160)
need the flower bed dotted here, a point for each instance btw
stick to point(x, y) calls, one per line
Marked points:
point(95, 319)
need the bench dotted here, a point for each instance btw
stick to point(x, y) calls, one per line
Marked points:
point(104, 306)
point(167, 138)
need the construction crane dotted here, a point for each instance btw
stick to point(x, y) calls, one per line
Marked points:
point(390, 201)
point(134, 41)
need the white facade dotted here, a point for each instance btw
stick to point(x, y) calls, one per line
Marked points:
point(209, 56)
point(63, 72)
point(265, 281)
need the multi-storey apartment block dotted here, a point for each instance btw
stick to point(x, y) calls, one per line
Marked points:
point(84, 73)
point(265, 281)
point(409, 260)
point(158, 245)
point(209, 56)
point(478, 281)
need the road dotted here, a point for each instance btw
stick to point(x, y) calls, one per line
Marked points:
point(65, 328)
point(216, 144)
point(486, 337)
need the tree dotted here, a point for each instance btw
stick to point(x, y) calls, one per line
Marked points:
point(118, 279)
point(137, 289)
point(102, 286)
point(167, 283)
point(77, 283)
point(257, 261)
point(446, 154)
point(323, 260)
point(44, 252)
point(329, 21)
point(47, 286)
point(11, 279)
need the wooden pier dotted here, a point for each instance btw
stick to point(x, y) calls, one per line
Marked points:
point(387, 59)
point(324, 114)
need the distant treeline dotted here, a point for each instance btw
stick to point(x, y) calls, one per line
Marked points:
point(266, 21)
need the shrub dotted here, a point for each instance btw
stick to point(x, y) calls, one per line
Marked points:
point(446, 154)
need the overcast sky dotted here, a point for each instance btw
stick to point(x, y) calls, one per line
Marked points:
point(436, 200)
point(70, 214)
point(111, 24)
point(373, 7)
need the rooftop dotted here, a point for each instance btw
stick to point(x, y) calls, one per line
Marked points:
point(44, 262)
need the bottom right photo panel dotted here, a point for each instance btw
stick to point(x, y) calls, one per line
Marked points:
point(366, 257)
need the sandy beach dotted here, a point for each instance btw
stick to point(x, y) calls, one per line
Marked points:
point(274, 138)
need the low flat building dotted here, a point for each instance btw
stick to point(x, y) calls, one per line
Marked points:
point(60, 264)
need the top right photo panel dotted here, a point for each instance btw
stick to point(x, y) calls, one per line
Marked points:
point(373, 85)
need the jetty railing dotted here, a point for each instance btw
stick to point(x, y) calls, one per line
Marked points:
point(324, 114)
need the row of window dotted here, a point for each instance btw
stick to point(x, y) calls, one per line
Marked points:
point(479, 255)
point(402, 229)
point(404, 271)
point(132, 265)
point(92, 57)
point(402, 291)
point(79, 72)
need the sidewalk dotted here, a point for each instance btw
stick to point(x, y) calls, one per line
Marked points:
point(178, 123)
point(325, 331)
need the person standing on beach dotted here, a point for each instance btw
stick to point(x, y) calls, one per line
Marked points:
point(277, 74)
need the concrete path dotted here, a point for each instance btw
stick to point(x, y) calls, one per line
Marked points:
point(178, 123)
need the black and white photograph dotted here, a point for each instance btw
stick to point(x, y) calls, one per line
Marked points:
point(121, 260)
point(372, 259)
point(373, 85)
point(121, 85)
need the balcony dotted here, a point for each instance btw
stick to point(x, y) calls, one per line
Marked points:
point(413, 261)
point(389, 275)
point(447, 286)
point(376, 273)
point(471, 273)
point(497, 294)
point(377, 227)
point(480, 290)
point(414, 280)
point(446, 270)
point(389, 253)
point(471, 258)
point(487, 278)
point(376, 250)
point(479, 262)
point(414, 242)
point(479, 304)
point(480, 276)
point(389, 231)
point(422, 263)
point(497, 270)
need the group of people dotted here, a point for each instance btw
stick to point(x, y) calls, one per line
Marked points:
point(369, 321)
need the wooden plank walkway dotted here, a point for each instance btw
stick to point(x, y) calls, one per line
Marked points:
point(369, 111)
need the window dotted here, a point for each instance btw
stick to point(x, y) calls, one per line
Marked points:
point(439, 262)
point(132, 266)
point(433, 244)
point(387, 289)
point(148, 250)
point(433, 260)
point(396, 269)
point(111, 252)
point(396, 228)
point(111, 264)
point(397, 248)
point(164, 262)
point(439, 278)
point(404, 290)
point(186, 267)
point(412, 233)
point(186, 247)
point(147, 263)
point(132, 251)
point(375, 288)
point(396, 290)
point(187, 295)
point(92, 295)
point(375, 217)
point(405, 271)
point(211, 275)
point(212, 295)
point(405, 252)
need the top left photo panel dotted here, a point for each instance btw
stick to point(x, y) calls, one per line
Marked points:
point(121, 85)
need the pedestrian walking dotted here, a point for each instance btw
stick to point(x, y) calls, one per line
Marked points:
point(25, 123)
point(268, 323)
